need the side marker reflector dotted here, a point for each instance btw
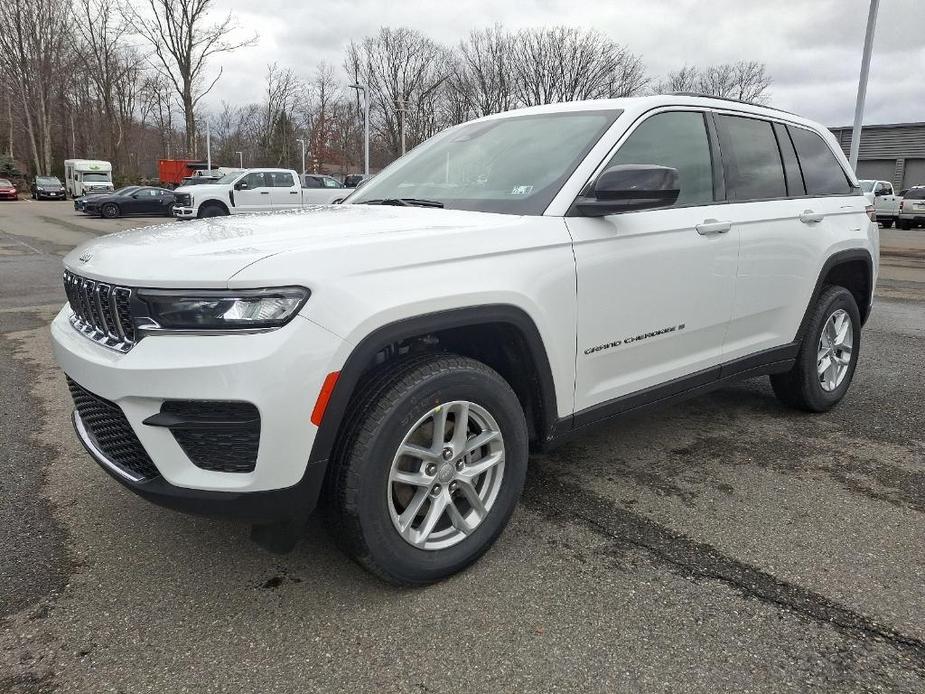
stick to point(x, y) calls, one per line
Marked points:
point(327, 388)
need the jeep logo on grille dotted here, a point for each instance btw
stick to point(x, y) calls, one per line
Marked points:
point(85, 257)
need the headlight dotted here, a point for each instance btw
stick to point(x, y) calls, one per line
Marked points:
point(220, 310)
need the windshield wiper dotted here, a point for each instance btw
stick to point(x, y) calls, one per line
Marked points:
point(404, 202)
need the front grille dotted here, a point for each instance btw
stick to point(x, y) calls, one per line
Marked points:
point(182, 199)
point(220, 436)
point(111, 433)
point(102, 311)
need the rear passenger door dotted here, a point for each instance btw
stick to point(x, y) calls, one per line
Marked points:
point(655, 287)
point(785, 213)
point(285, 193)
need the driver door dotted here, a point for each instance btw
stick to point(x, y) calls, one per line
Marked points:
point(655, 286)
point(252, 193)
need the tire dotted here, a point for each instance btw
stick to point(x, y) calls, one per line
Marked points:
point(211, 211)
point(802, 387)
point(363, 502)
point(110, 210)
point(903, 224)
point(887, 223)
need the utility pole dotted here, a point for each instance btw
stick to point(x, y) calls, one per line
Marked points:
point(862, 83)
point(403, 110)
point(208, 148)
point(362, 88)
point(240, 159)
point(301, 141)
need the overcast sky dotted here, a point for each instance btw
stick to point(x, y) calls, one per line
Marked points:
point(812, 48)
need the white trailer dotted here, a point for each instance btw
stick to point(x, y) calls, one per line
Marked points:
point(82, 176)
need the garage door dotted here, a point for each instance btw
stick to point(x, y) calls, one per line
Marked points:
point(876, 169)
point(915, 173)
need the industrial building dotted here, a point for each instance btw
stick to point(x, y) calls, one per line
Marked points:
point(894, 152)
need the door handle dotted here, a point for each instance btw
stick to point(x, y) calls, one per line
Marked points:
point(713, 226)
point(293, 192)
point(264, 192)
point(810, 217)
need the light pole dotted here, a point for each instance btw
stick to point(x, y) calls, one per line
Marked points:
point(862, 84)
point(240, 159)
point(362, 88)
point(403, 110)
point(301, 141)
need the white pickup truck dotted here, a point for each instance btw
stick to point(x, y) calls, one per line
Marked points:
point(250, 190)
point(885, 201)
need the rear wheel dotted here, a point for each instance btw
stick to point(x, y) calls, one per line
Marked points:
point(429, 470)
point(828, 355)
point(887, 223)
point(903, 224)
point(110, 210)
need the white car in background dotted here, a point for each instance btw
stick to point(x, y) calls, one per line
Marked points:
point(912, 209)
point(886, 203)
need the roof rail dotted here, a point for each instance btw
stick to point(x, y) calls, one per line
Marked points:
point(729, 98)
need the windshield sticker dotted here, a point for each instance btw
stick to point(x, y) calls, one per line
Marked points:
point(521, 190)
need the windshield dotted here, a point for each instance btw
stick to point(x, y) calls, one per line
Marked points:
point(512, 165)
point(96, 177)
point(867, 186)
point(228, 178)
point(5, 183)
point(47, 181)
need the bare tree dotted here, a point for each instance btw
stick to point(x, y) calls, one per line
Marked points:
point(182, 40)
point(403, 69)
point(33, 49)
point(565, 64)
point(481, 80)
point(744, 80)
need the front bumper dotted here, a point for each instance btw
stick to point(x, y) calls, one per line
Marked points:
point(184, 212)
point(50, 194)
point(279, 372)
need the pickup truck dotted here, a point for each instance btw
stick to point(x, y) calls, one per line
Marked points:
point(250, 190)
point(886, 203)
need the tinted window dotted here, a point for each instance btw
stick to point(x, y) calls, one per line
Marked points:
point(678, 140)
point(885, 189)
point(280, 179)
point(821, 171)
point(254, 180)
point(751, 158)
point(915, 194)
point(311, 182)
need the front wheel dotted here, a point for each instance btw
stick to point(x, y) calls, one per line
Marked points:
point(212, 211)
point(828, 355)
point(429, 469)
point(110, 210)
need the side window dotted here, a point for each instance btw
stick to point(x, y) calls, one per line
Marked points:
point(821, 170)
point(751, 159)
point(254, 180)
point(280, 179)
point(677, 139)
point(884, 188)
point(312, 182)
point(329, 182)
point(791, 165)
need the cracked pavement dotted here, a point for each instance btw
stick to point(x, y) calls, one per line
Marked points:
point(724, 544)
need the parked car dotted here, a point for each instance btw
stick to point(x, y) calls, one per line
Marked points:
point(505, 285)
point(912, 210)
point(47, 187)
point(132, 200)
point(251, 190)
point(8, 190)
point(355, 180)
point(886, 203)
point(81, 202)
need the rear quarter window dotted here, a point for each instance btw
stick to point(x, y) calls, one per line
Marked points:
point(915, 194)
point(822, 173)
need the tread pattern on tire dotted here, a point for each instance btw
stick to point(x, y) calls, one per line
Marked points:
point(371, 404)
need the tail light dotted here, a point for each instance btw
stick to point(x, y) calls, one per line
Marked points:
point(871, 214)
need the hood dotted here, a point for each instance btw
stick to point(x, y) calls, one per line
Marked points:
point(208, 252)
point(203, 189)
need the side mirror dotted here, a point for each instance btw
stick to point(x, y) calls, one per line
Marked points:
point(241, 185)
point(628, 187)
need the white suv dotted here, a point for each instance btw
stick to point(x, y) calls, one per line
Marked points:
point(506, 284)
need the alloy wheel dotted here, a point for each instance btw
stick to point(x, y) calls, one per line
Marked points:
point(834, 352)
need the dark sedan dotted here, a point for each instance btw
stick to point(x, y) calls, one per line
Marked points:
point(47, 187)
point(130, 201)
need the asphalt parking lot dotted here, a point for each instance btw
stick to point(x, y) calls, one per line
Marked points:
point(725, 544)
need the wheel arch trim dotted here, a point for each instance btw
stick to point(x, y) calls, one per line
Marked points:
point(364, 352)
point(833, 261)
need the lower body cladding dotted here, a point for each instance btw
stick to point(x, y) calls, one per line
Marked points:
point(210, 424)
